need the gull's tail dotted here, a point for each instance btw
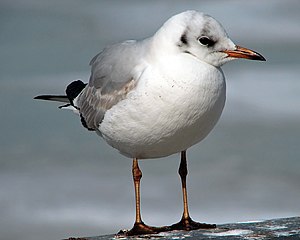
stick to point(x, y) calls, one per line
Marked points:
point(72, 92)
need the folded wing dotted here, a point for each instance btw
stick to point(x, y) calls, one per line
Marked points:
point(114, 73)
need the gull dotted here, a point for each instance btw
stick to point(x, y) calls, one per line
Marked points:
point(158, 96)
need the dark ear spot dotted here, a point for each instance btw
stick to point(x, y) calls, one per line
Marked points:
point(183, 39)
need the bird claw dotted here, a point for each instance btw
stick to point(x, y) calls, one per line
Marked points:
point(143, 229)
point(184, 224)
point(188, 225)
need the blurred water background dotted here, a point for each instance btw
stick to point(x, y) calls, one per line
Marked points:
point(59, 180)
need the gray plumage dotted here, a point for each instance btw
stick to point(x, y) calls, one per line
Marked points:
point(112, 77)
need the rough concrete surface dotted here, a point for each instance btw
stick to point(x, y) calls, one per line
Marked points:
point(284, 228)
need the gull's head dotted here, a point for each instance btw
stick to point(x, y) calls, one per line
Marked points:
point(202, 36)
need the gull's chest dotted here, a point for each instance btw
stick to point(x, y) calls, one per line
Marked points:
point(169, 111)
point(186, 88)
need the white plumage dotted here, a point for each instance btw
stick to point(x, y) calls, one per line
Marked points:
point(159, 96)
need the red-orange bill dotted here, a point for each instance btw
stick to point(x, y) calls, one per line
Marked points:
point(241, 52)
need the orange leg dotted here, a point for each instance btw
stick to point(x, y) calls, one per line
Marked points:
point(186, 223)
point(140, 227)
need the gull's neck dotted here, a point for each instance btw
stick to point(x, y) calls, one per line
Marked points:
point(164, 41)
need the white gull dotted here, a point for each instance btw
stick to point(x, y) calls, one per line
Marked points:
point(159, 96)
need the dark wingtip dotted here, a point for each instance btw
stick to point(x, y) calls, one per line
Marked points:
point(74, 89)
point(37, 97)
point(43, 97)
point(55, 98)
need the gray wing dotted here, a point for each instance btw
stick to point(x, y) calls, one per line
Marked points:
point(113, 75)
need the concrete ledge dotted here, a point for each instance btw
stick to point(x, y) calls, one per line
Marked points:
point(284, 228)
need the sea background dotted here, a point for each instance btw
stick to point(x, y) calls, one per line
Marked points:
point(58, 180)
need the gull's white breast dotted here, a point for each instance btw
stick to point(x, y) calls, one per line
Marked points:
point(176, 103)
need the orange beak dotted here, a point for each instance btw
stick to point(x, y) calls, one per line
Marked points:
point(246, 53)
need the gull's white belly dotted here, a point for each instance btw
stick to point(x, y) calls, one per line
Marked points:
point(164, 116)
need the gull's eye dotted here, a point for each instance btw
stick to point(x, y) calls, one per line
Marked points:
point(205, 41)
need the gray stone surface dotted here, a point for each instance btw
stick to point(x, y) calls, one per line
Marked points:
point(284, 228)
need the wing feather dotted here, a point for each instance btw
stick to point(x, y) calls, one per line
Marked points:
point(113, 75)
